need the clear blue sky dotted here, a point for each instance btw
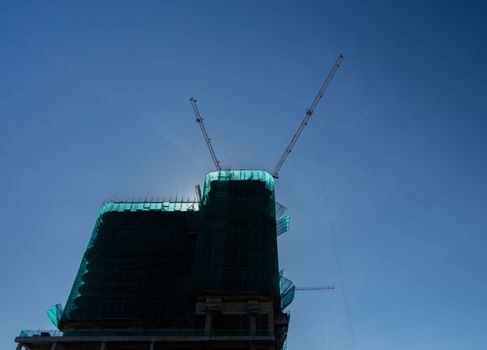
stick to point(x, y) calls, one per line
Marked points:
point(386, 188)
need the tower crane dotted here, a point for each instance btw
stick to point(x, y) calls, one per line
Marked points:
point(307, 289)
point(201, 123)
point(309, 113)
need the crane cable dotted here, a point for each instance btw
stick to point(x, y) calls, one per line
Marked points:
point(328, 218)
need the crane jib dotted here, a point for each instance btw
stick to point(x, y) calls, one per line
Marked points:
point(309, 113)
point(207, 138)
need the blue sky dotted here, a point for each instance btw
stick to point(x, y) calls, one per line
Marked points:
point(386, 187)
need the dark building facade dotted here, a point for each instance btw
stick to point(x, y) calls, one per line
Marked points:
point(180, 275)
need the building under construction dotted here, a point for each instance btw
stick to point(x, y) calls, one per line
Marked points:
point(200, 274)
point(180, 275)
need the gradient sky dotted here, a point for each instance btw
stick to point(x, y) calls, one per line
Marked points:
point(386, 188)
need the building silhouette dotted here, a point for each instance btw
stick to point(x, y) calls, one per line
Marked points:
point(199, 274)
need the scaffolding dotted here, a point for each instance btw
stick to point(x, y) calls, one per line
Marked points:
point(134, 267)
point(149, 264)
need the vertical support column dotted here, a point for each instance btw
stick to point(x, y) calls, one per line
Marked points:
point(270, 325)
point(102, 346)
point(151, 346)
point(53, 346)
point(19, 346)
point(208, 320)
point(253, 325)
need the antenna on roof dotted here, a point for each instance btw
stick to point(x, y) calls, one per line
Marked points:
point(198, 192)
point(201, 123)
point(309, 113)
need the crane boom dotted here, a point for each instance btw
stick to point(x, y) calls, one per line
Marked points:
point(309, 113)
point(201, 123)
point(315, 288)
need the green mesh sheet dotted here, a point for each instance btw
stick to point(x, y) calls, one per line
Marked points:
point(142, 206)
point(237, 251)
point(25, 333)
point(54, 313)
point(228, 175)
point(120, 208)
point(282, 225)
point(229, 247)
point(287, 290)
point(74, 294)
point(280, 210)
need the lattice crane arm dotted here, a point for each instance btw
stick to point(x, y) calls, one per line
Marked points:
point(309, 113)
point(315, 288)
point(201, 123)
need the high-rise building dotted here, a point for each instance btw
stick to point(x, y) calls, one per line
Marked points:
point(180, 274)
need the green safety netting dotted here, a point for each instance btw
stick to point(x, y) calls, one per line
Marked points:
point(54, 313)
point(238, 248)
point(280, 210)
point(227, 175)
point(282, 225)
point(282, 222)
point(287, 291)
point(40, 333)
point(146, 260)
point(140, 218)
point(141, 206)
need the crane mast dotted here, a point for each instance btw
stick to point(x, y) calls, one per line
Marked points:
point(309, 113)
point(201, 123)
